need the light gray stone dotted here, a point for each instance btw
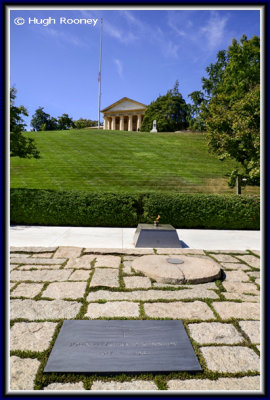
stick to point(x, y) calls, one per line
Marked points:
point(230, 359)
point(255, 274)
point(113, 309)
point(30, 260)
point(228, 310)
point(33, 336)
point(146, 295)
point(129, 258)
point(65, 386)
point(79, 275)
point(40, 276)
point(224, 258)
point(227, 384)
point(180, 251)
point(236, 276)
point(253, 261)
point(252, 330)
point(128, 263)
point(214, 332)
point(127, 270)
point(108, 261)
point(11, 285)
point(119, 251)
point(13, 266)
point(43, 255)
point(259, 348)
point(241, 296)
point(235, 252)
point(198, 286)
point(132, 385)
point(27, 290)
point(257, 252)
point(193, 270)
point(65, 290)
point(234, 266)
point(258, 281)
point(68, 252)
point(81, 262)
point(37, 267)
point(13, 255)
point(240, 287)
point(39, 310)
point(179, 310)
point(32, 249)
point(105, 277)
point(133, 282)
point(22, 373)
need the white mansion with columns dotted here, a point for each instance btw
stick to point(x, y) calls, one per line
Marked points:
point(124, 115)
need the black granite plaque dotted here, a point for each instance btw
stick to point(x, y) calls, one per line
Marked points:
point(162, 236)
point(122, 346)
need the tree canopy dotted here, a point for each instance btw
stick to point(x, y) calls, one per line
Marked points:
point(232, 110)
point(170, 112)
point(20, 146)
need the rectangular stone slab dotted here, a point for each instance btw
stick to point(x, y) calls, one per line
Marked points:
point(161, 236)
point(122, 346)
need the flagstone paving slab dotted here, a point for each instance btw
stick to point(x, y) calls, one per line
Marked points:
point(13, 255)
point(227, 384)
point(27, 290)
point(105, 277)
point(33, 336)
point(180, 251)
point(230, 309)
point(253, 261)
point(36, 260)
point(22, 373)
point(215, 332)
point(178, 310)
point(256, 274)
point(133, 282)
point(228, 252)
point(108, 261)
point(146, 295)
point(68, 252)
point(239, 287)
point(228, 359)
point(252, 330)
point(118, 251)
point(81, 262)
point(79, 275)
point(132, 385)
point(39, 310)
point(39, 267)
point(224, 258)
point(115, 309)
point(13, 266)
point(65, 386)
point(41, 255)
point(236, 276)
point(32, 249)
point(40, 276)
point(235, 266)
point(241, 296)
point(65, 290)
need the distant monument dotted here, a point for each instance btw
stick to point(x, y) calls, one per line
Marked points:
point(154, 129)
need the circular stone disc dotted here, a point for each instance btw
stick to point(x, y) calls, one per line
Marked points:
point(195, 269)
point(175, 261)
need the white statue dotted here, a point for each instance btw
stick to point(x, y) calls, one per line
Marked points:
point(154, 129)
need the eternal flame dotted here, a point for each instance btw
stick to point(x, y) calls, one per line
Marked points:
point(124, 115)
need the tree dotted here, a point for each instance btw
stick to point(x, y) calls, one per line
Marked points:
point(20, 146)
point(232, 115)
point(84, 123)
point(42, 121)
point(65, 122)
point(170, 112)
point(196, 121)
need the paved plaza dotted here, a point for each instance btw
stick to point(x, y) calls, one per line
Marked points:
point(222, 318)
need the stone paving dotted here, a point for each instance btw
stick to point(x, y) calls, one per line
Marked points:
point(222, 318)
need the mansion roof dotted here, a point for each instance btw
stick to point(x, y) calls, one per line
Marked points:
point(125, 104)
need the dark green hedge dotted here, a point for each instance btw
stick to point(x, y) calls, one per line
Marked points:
point(213, 211)
point(70, 208)
point(47, 207)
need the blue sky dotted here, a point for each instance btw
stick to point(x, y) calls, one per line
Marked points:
point(144, 53)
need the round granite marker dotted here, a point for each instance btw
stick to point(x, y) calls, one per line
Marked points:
point(192, 270)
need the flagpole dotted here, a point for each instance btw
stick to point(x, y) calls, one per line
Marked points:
point(99, 75)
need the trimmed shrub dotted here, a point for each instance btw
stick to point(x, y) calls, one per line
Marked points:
point(69, 208)
point(211, 211)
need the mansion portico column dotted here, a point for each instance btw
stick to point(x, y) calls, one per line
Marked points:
point(113, 124)
point(105, 123)
point(139, 122)
point(121, 123)
point(130, 122)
